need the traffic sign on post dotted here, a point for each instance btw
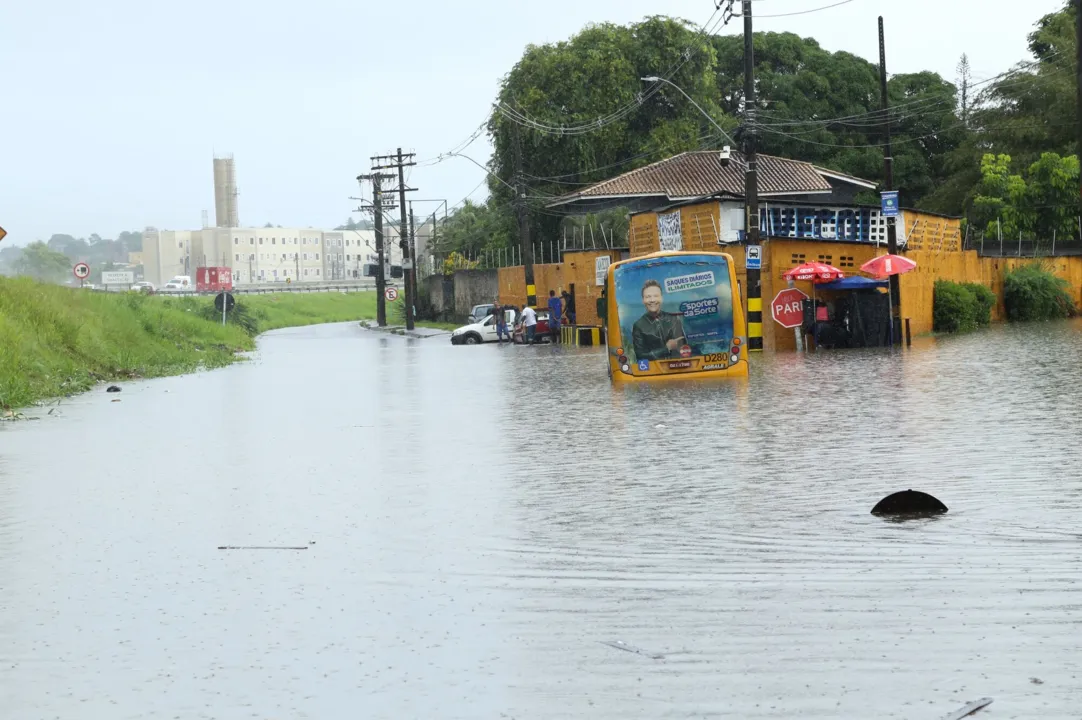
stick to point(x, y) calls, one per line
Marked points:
point(890, 203)
point(753, 257)
point(114, 277)
point(81, 270)
point(224, 300)
point(391, 294)
point(788, 308)
point(3, 233)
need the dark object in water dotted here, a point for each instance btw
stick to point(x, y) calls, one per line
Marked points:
point(909, 502)
point(969, 709)
point(112, 388)
point(621, 645)
point(262, 547)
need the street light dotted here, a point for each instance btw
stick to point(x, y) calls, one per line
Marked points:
point(654, 79)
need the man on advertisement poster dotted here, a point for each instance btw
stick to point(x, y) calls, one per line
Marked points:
point(656, 335)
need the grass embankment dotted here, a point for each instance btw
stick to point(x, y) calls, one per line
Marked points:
point(56, 341)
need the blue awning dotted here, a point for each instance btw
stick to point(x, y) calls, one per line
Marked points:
point(853, 283)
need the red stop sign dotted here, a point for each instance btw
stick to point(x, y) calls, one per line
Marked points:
point(788, 308)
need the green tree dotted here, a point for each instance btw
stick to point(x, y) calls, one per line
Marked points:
point(1039, 204)
point(39, 261)
point(1033, 110)
point(824, 107)
point(599, 230)
point(131, 241)
point(556, 92)
point(74, 248)
point(474, 228)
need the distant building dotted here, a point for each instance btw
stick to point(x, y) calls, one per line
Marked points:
point(263, 255)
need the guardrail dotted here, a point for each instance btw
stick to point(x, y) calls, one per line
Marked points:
point(261, 290)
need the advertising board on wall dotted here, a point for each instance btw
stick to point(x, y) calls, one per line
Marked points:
point(669, 233)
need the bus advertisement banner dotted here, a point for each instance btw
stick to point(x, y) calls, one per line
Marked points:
point(675, 308)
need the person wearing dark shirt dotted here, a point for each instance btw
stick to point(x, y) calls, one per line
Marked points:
point(501, 321)
point(555, 311)
point(656, 335)
point(569, 307)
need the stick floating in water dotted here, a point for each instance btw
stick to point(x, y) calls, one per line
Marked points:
point(970, 709)
point(262, 547)
point(621, 645)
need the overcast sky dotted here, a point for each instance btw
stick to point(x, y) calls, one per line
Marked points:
point(111, 110)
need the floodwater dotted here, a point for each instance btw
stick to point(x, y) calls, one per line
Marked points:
point(480, 521)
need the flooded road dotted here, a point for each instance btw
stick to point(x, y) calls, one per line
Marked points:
point(480, 521)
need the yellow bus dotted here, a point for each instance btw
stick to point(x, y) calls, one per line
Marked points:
point(675, 315)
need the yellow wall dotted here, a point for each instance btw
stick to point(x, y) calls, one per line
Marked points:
point(934, 242)
point(576, 269)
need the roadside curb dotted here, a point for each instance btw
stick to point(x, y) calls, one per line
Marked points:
point(417, 333)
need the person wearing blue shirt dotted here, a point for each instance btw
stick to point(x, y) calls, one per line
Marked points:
point(556, 311)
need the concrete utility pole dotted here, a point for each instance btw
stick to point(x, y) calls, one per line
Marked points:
point(751, 185)
point(377, 210)
point(523, 223)
point(888, 169)
point(401, 161)
point(412, 272)
point(1078, 71)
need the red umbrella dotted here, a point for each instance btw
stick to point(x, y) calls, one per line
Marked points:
point(814, 271)
point(817, 272)
point(886, 265)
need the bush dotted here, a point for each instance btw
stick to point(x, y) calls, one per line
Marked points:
point(961, 307)
point(985, 299)
point(242, 315)
point(1032, 292)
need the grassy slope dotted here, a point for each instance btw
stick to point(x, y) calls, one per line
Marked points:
point(56, 341)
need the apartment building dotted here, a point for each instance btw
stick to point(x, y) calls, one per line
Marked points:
point(166, 253)
point(265, 255)
point(262, 255)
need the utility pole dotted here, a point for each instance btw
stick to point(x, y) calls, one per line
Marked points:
point(523, 223)
point(1078, 71)
point(412, 272)
point(888, 169)
point(751, 185)
point(377, 210)
point(401, 161)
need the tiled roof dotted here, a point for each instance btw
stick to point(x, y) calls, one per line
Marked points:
point(701, 174)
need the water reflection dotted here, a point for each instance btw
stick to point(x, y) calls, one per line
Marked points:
point(486, 518)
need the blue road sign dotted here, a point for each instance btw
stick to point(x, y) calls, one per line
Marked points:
point(890, 203)
point(753, 257)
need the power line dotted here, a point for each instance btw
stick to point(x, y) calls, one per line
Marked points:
point(876, 117)
point(558, 179)
point(804, 12)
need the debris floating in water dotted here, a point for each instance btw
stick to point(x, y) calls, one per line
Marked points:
point(909, 502)
point(113, 388)
point(262, 547)
point(621, 645)
point(970, 709)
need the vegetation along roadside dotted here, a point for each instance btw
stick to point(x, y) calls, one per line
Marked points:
point(55, 341)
